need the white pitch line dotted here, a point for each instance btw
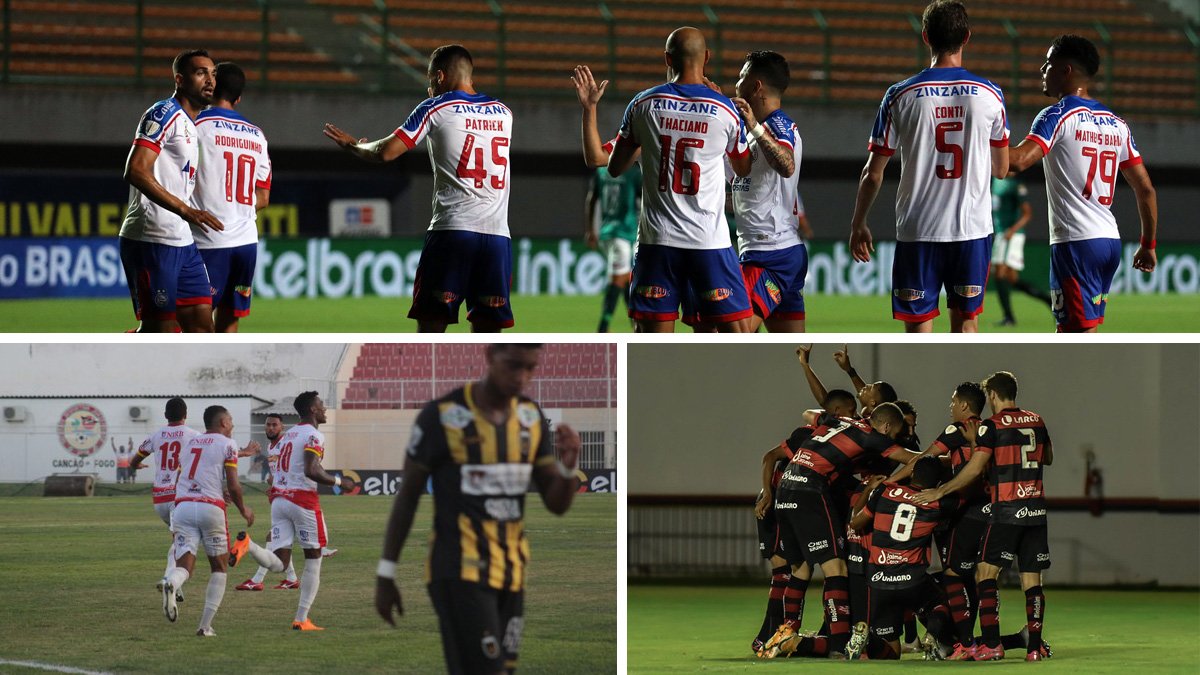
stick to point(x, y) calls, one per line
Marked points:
point(50, 666)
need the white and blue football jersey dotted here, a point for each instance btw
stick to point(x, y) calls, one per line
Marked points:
point(168, 131)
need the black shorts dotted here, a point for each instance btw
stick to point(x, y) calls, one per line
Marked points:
point(1026, 544)
point(810, 528)
point(481, 627)
point(959, 546)
point(886, 607)
point(769, 543)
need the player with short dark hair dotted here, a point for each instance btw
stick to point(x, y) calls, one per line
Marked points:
point(468, 250)
point(684, 130)
point(1015, 446)
point(479, 555)
point(233, 182)
point(943, 119)
point(1082, 144)
point(168, 282)
point(773, 258)
point(811, 527)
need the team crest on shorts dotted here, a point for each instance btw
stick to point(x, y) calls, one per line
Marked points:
point(968, 291)
point(1099, 299)
point(160, 298)
point(243, 291)
point(652, 292)
point(493, 301)
point(444, 297)
point(908, 294)
point(773, 291)
point(490, 646)
point(717, 294)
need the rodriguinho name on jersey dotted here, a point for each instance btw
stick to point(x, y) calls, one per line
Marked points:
point(239, 143)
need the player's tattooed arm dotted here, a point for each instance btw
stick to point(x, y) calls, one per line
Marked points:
point(781, 159)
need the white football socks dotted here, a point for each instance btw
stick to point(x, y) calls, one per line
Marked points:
point(266, 559)
point(170, 557)
point(212, 598)
point(177, 576)
point(260, 575)
point(308, 587)
point(290, 572)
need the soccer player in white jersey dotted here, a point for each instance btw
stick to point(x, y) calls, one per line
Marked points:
point(684, 130)
point(233, 183)
point(296, 510)
point(1083, 144)
point(468, 251)
point(772, 254)
point(943, 120)
point(165, 444)
point(273, 430)
point(207, 470)
point(167, 280)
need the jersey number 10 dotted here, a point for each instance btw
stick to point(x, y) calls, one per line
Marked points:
point(239, 187)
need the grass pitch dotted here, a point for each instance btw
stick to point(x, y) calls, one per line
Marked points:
point(688, 629)
point(580, 314)
point(79, 576)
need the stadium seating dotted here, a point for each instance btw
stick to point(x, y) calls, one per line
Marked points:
point(388, 376)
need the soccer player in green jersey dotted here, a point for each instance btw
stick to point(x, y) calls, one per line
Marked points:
point(1010, 214)
point(615, 203)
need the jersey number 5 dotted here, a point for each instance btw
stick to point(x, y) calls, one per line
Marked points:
point(239, 187)
point(955, 170)
point(474, 155)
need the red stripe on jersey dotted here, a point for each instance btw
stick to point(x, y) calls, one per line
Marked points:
point(1041, 143)
point(880, 150)
point(403, 135)
point(738, 155)
point(655, 316)
point(400, 133)
point(187, 302)
point(903, 316)
point(148, 144)
point(202, 500)
point(1001, 143)
point(306, 499)
point(1132, 161)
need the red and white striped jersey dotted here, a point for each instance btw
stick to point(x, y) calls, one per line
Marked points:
point(1085, 144)
point(233, 162)
point(290, 481)
point(202, 468)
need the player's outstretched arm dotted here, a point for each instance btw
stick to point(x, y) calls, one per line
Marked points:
point(1147, 200)
point(589, 94)
point(558, 482)
point(623, 154)
point(1021, 157)
point(313, 470)
point(815, 385)
point(869, 183)
point(380, 151)
point(139, 172)
point(404, 508)
point(1000, 161)
point(842, 358)
point(781, 159)
point(775, 454)
point(250, 450)
point(973, 469)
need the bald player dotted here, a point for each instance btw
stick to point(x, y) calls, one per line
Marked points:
point(684, 131)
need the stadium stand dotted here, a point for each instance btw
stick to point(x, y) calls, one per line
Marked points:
point(841, 51)
point(388, 376)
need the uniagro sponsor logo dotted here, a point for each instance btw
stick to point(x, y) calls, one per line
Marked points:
point(890, 578)
point(82, 430)
point(1027, 512)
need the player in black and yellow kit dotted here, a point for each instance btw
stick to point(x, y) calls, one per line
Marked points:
point(481, 444)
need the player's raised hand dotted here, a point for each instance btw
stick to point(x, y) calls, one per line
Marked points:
point(842, 358)
point(566, 440)
point(250, 450)
point(202, 219)
point(802, 353)
point(927, 496)
point(970, 430)
point(387, 600)
point(861, 244)
point(1145, 259)
point(586, 89)
point(746, 111)
point(347, 485)
point(343, 139)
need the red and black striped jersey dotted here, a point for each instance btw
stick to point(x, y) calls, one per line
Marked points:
point(900, 534)
point(791, 444)
point(953, 443)
point(1016, 439)
point(837, 446)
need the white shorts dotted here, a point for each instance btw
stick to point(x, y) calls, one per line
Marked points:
point(619, 254)
point(164, 511)
point(193, 522)
point(291, 522)
point(1010, 252)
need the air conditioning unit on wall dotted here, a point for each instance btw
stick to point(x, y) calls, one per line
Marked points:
point(139, 413)
point(14, 413)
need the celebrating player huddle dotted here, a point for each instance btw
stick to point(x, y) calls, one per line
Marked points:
point(843, 494)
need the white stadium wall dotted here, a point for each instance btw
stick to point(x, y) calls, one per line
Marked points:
point(701, 416)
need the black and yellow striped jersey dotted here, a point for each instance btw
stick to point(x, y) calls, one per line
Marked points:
point(481, 473)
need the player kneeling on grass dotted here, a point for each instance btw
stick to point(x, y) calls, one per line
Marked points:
point(479, 555)
point(199, 513)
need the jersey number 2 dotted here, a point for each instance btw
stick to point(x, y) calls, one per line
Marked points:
point(473, 155)
point(238, 183)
